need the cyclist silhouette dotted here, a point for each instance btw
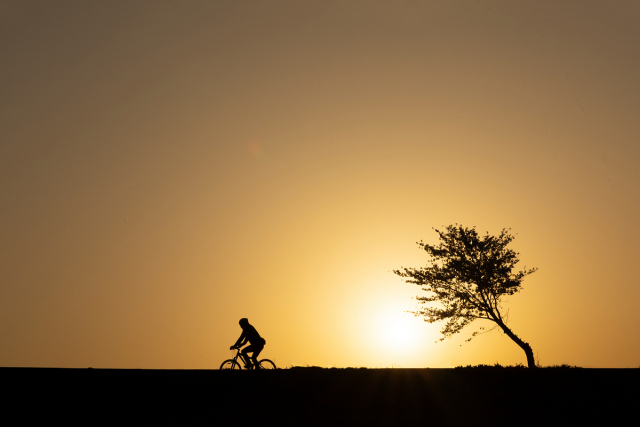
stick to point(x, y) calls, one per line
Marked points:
point(256, 343)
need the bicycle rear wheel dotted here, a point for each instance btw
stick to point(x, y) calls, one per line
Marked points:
point(267, 364)
point(230, 364)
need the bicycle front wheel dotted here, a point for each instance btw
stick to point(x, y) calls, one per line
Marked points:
point(230, 364)
point(267, 364)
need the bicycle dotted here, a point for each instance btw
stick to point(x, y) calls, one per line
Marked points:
point(233, 363)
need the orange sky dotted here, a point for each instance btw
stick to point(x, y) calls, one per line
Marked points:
point(167, 168)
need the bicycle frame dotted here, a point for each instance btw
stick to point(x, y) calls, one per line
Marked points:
point(240, 356)
point(230, 363)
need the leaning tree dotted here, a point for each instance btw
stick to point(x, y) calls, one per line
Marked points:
point(468, 274)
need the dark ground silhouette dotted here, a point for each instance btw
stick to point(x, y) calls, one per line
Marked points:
point(314, 396)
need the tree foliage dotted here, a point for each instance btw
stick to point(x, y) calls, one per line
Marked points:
point(468, 274)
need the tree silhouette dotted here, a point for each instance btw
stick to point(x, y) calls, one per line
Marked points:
point(468, 274)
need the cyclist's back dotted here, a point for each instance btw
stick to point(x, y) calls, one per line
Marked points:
point(251, 334)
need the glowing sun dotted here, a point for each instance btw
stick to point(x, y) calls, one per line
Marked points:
point(397, 330)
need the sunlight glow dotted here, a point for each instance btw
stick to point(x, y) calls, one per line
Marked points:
point(396, 331)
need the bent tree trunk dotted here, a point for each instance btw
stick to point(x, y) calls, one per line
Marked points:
point(523, 345)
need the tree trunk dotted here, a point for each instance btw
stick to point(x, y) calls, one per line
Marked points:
point(523, 345)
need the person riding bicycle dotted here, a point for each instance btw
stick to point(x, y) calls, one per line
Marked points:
point(256, 343)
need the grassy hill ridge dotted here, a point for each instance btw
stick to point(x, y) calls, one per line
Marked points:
point(314, 396)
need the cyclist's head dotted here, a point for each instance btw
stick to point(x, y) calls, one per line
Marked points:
point(244, 321)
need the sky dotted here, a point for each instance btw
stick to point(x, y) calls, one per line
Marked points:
point(167, 168)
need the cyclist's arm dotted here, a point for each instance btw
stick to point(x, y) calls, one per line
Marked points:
point(241, 341)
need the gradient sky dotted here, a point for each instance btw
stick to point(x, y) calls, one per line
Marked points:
point(167, 168)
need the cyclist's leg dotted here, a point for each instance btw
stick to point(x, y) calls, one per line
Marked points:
point(243, 359)
point(257, 349)
point(245, 356)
